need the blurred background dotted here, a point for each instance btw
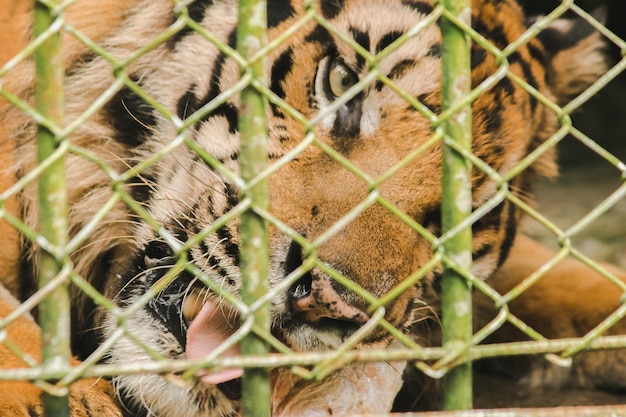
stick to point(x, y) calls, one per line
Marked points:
point(586, 179)
point(603, 118)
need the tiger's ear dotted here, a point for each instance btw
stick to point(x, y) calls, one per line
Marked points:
point(575, 55)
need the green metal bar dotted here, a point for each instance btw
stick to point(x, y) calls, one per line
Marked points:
point(457, 201)
point(254, 250)
point(54, 313)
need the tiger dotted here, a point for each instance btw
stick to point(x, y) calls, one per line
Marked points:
point(189, 192)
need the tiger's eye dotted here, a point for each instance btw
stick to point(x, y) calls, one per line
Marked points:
point(340, 79)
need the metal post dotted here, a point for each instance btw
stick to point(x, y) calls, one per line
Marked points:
point(254, 234)
point(54, 313)
point(457, 201)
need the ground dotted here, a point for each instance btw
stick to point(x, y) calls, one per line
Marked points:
point(582, 185)
point(578, 190)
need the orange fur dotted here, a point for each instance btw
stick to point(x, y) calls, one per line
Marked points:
point(12, 34)
point(88, 397)
point(11, 40)
point(554, 305)
point(568, 301)
point(10, 248)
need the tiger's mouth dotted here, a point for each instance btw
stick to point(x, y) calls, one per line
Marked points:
point(314, 314)
point(315, 299)
point(317, 318)
point(318, 312)
point(210, 324)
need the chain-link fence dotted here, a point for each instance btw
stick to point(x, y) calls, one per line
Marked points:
point(450, 246)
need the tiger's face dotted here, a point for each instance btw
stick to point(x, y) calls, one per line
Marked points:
point(331, 218)
point(376, 129)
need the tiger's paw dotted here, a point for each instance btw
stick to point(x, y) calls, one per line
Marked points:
point(88, 398)
point(91, 397)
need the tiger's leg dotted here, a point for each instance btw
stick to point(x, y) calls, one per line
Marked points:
point(568, 301)
point(88, 397)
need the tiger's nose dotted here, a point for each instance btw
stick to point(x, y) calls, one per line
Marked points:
point(314, 298)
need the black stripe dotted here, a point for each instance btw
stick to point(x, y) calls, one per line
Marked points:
point(277, 111)
point(536, 52)
point(32, 412)
point(432, 221)
point(188, 104)
point(495, 34)
point(434, 51)
point(419, 6)
point(216, 74)
point(87, 409)
point(482, 251)
point(204, 248)
point(478, 56)
point(397, 72)
point(140, 187)
point(400, 69)
point(181, 226)
point(320, 35)
point(437, 283)
point(80, 62)
point(508, 87)
point(280, 70)
point(26, 267)
point(231, 194)
point(492, 118)
point(217, 267)
point(130, 116)
point(230, 113)
point(196, 12)
point(278, 11)
point(491, 221)
point(529, 77)
point(387, 40)
point(331, 8)
point(509, 234)
point(210, 402)
point(481, 179)
point(425, 100)
point(363, 39)
point(229, 245)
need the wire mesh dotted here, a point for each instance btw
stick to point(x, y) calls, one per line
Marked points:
point(262, 350)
